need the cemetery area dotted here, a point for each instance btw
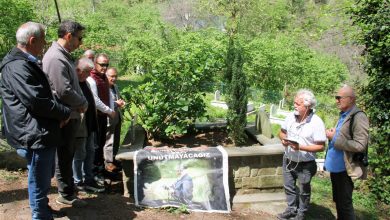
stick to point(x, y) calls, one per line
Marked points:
point(182, 63)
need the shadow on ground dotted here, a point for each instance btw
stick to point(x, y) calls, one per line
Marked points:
point(319, 212)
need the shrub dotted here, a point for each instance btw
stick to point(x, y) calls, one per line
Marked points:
point(172, 99)
point(373, 17)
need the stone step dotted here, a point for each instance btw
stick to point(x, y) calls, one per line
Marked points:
point(272, 203)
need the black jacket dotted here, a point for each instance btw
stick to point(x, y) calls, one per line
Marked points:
point(31, 115)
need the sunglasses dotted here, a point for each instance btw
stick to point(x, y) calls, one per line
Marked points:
point(103, 64)
point(341, 97)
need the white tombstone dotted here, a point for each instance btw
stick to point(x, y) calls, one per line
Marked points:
point(273, 110)
point(217, 95)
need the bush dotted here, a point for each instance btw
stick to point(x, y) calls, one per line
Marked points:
point(373, 17)
point(172, 99)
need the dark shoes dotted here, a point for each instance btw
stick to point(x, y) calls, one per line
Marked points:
point(288, 214)
point(94, 187)
point(73, 201)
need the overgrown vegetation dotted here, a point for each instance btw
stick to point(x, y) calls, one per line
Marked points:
point(373, 17)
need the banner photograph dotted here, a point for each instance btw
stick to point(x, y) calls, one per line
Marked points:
point(194, 177)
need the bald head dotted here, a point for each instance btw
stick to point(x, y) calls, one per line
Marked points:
point(345, 98)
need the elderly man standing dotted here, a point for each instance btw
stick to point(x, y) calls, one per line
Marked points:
point(302, 134)
point(85, 137)
point(345, 156)
point(100, 88)
point(114, 124)
point(59, 66)
point(31, 116)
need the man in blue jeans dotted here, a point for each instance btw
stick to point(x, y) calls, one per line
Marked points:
point(85, 138)
point(31, 115)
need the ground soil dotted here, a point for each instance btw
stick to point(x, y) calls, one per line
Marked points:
point(111, 204)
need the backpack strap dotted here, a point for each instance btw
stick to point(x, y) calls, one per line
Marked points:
point(363, 155)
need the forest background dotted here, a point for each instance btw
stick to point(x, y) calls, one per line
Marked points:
point(287, 45)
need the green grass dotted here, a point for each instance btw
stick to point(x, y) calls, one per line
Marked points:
point(322, 206)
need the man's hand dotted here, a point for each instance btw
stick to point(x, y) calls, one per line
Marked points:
point(293, 145)
point(285, 143)
point(330, 133)
point(120, 103)
point(64, 122)
point(112, 114)
point(82, 110)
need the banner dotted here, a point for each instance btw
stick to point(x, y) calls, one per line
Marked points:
point(194, 177)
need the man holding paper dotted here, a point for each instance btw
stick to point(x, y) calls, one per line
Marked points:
point(302, 135)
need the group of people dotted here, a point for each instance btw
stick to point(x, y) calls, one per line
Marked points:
point(62, 116)
point(303, 134)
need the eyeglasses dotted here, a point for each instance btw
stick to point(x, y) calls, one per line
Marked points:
point(103, 64)
point(337, 97)
point(79, 38)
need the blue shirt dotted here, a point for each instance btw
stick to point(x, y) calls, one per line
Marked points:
point(334, 161)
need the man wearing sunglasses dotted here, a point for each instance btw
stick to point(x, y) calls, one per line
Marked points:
point(60, 69)
point(100, 88)
point(345, 142)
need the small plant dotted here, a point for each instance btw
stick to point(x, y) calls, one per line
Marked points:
point(183, 209)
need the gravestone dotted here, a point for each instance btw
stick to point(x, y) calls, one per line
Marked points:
point(217, 95)
point(273, 110)
point(263, 124)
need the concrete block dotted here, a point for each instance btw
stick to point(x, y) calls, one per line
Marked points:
point(254, 172)
point(237, 183)
point(242, 172)
point(266, 171)
point(249, 182)
point(279, 171)
point(270, 181)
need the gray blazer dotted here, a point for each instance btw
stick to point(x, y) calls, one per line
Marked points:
point(61, 72)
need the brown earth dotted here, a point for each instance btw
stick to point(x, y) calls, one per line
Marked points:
point(111, 204)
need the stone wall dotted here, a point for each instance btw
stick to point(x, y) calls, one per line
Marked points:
point(255, 174)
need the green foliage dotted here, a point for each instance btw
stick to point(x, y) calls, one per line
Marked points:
point(13, 14)
point(183, 209)
point(274, 63)
point(237, 98)
point(265, 16)
point(373, 17)
point(172, 99)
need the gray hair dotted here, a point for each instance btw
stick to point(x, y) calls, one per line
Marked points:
point(27, 30)
point(89, 52)
point(84, 63)
point(308, 97)
point(69, 27)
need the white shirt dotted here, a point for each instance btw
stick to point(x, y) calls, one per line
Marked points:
point(311, 130)
point(99, 103)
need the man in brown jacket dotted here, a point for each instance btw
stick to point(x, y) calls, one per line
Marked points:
point(345, 152)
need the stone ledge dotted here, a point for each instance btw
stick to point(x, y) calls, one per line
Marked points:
point(127, 150)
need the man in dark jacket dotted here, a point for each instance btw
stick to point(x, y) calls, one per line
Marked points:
point(31, 116)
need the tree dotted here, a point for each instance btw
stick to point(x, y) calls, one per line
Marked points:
point(237, 98)
point(373, 17)
point(13, 14)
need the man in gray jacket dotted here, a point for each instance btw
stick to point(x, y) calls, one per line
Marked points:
point(59, 66)
point(345, 145)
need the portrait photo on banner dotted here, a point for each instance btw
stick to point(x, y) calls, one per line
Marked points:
point(194, 177)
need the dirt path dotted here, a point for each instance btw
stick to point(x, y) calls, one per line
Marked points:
point(109, 205)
